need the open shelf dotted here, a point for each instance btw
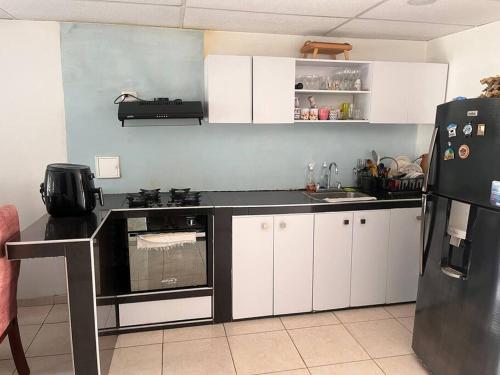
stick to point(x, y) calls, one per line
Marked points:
point(331, 121)
point(298, 91)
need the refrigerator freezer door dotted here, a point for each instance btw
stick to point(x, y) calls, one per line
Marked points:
point(457, 320)
point(467, 150)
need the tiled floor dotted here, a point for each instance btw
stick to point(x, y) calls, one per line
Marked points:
point(368, 341)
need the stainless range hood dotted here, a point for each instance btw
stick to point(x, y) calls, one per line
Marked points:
point(171, 112)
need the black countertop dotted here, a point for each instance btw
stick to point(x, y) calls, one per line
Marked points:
point(70, 229)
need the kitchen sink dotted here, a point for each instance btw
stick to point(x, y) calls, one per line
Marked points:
point(340, 196)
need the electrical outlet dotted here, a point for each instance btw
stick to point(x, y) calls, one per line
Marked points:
point(128, 98)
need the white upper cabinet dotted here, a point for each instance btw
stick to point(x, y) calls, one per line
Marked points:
point(332, 260)
point(293, 263)
point(402, 260)
point(369, 257)
point(389, 101)
point(252, 266)
point(427, 84)
point(273, 90)
point(406, 92)
point(228, 89)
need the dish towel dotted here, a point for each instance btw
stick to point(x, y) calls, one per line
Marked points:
point(165, 241)
point(9, 270)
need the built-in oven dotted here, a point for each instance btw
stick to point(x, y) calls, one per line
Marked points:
point(154, 268)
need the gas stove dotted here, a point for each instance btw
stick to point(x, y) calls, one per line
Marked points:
point(153, 198)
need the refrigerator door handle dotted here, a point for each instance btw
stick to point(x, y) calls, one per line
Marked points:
point(432, 147)
point(452, 272)
point(422, 234)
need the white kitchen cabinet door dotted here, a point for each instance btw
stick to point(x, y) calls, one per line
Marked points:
point(293, 263)
point(252, 266)
point(273, 90)
point(332, 260)
point(389, 97)
point(228, 86)
point(402, 259)
point(369, 257)
point(427, 88)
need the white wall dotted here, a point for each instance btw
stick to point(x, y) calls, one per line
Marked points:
point(472, 54)
point(32, 133)
point(255, 44)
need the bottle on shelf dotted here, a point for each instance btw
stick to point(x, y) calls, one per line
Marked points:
point(296, 113)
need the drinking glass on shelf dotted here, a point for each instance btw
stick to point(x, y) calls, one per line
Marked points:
point(358, 114)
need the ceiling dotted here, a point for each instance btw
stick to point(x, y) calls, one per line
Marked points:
point(385, 19)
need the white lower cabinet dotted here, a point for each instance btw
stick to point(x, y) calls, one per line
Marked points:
point(285, 264)
point(252, 266)
point(402, 259)
point(293, 263)
point(332, 260)
point(369, 257)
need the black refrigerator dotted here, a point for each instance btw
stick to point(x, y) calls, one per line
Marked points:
point(457, 318)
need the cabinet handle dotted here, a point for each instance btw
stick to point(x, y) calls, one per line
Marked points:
point(346, 222)
point(264, 226)
point(282, 225)
point(363, 221)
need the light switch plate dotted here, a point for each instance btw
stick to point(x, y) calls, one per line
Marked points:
point(107, 166)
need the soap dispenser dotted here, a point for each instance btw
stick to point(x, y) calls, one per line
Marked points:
point(310, 181)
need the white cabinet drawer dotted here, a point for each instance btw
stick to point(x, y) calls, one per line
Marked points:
point(165, 310)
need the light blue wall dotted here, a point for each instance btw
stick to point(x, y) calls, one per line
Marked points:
point(99, 61)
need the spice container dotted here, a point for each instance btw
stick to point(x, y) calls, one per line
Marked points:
point(304, 114)
point(313, 113)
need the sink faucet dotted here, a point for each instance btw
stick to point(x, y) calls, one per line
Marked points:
point(338, 184)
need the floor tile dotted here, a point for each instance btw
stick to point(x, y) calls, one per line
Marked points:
point(408, 322)
point(327, 345)
point(301, 371)
point(194, 333)
point(351, 368)
point(107, 342)
point(362, 314)
point(402, 310)
point(51, 365)
point(38, 301)
point(139, 338)
point(27, 335)
point(51, 340)
point(33, 314)
point(138, 360)
point(206, 356)
point(253, 326)
point(382, 338)
point(403, 365)
point(6, 367)
point(58, 314)
point(309, 320)
point(105, 358)
point(61, 299)
point(264, 352)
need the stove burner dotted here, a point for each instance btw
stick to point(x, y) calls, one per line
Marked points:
point(149, 198)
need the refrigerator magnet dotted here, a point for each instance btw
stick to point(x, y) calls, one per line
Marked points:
point(495, 193)
point(463, 152)
point(467, 129)
point(452, 130)
point(480, 130)
point(449, 153)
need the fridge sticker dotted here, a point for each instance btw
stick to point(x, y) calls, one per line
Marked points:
point(495, 193)
point(472, 113)
point(463, 152)
point(480, 130)
point(449, 153)
point(452, 130)
point(467, 129)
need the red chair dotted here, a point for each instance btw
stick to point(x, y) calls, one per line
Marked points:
point(9, 274)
